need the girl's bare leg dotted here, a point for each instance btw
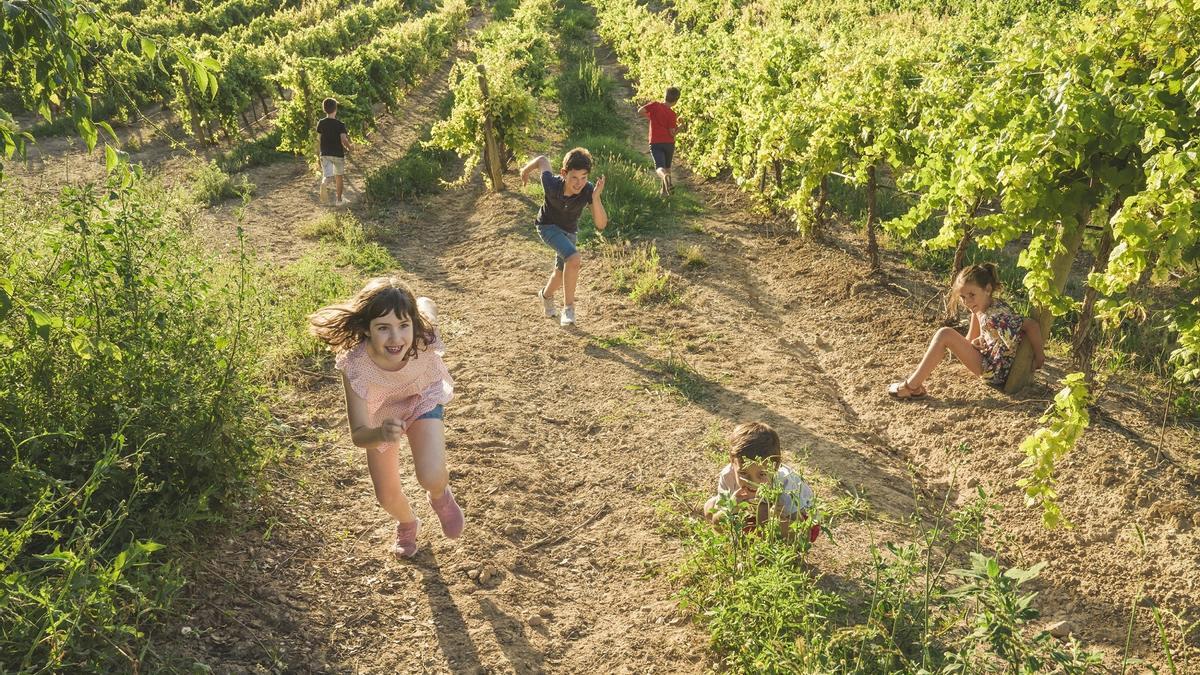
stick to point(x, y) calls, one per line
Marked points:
point(428, 440)
point(385, 475)
point(570, 278)
point(943, 339)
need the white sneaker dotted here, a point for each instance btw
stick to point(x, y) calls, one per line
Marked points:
point(568, 316)
point(548, 305)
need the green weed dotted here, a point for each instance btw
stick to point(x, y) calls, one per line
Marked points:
point(630, 337)
point(638, 274)
point(910, 610)
point(211, 185)
point(676, 377)
point(692, 255)
point(346, 241)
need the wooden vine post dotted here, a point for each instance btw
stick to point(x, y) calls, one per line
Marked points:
point(872, 217)
point(493, 149)
point(1070, 238)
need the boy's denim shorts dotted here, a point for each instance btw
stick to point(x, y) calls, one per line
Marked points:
point(561, 241)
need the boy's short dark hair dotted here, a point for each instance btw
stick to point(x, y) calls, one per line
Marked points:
point(672, 95)
point(330, 105)
point(754, 441)
point(576, 159)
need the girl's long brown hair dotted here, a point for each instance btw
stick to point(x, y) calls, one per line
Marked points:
point(980, 274)
point(344, 325)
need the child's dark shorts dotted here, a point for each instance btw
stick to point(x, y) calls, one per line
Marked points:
point(663, 153)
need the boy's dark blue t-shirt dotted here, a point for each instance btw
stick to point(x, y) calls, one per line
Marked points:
point(559, 209)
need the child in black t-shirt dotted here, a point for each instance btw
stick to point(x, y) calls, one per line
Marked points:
point(334, 142)
point(558, 222)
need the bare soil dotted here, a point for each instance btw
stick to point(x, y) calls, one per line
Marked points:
point(566, 444)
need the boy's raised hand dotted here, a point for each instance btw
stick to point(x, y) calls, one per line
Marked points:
point(599, 187)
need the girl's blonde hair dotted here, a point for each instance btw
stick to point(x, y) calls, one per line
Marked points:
point(344, 325)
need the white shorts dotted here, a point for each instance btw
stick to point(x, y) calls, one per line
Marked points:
point(332, 166)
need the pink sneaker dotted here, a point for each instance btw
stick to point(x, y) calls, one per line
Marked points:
point(449, 513)
point(406, 539)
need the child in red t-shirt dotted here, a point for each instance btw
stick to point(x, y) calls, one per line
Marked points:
point(663, 125)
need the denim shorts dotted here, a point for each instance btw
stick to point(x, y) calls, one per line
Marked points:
point(438, 412)
point(561, 241)
point(662, 153)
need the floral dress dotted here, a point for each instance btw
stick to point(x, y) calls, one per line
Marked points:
point(1000, 328)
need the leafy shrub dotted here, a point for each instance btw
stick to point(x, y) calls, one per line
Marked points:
point(257, 152)
point(73, 588)
point(417, 172)
point(130, 371)
point(212, 185)
point(133, 366)
point(766, 612)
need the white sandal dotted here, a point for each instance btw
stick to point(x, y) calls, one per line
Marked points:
point(904, 390)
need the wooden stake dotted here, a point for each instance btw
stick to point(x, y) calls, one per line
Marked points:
point(493, 149)
point(1070, 237)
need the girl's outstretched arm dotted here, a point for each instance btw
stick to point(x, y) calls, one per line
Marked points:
point(541, 163)
point(599, 215)
point(361, 433)
point(1033, 333)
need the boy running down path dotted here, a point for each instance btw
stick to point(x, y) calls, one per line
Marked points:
point(334, 142)
point(558, 222)
point(663, 125)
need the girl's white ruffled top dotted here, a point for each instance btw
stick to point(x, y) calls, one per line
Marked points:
point(421, 385)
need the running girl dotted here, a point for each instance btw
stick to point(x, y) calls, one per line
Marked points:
point(390, 355)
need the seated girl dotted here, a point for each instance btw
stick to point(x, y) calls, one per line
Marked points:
point(991, 342)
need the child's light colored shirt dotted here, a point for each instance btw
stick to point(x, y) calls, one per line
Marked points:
point(421, 385)
point(795, 495)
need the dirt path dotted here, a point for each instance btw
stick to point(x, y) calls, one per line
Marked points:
point(563, 444)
